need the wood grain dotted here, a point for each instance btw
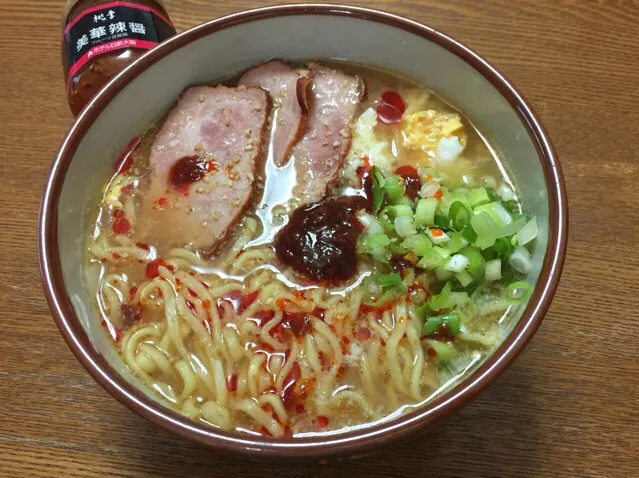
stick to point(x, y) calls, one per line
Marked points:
point(568, 407)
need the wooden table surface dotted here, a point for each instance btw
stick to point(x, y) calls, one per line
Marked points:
point(569, 406)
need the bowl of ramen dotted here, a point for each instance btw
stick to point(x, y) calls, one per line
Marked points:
point(292, 247)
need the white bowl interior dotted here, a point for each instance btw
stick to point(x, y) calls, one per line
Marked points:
point(221, 54)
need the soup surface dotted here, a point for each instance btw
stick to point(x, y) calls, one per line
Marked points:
point(320, 248)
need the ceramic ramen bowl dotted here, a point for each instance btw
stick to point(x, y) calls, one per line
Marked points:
point(221, 48)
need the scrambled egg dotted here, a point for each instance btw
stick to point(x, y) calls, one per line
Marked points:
point(425, 129)
point(440, 135)
point(366, 143)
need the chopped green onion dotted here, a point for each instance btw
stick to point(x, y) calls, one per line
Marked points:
point(500, 250)
point(423, 310)
point(375, 245)
point(387, 220)
point(367, 242)
point(455, 243)
point(388, 281)
point(397, 248)
point(469, 233)
point(404, 226)
point(418, 244)
point(497, 213)
point(518, 292)
point(478, 196)
point(447, 299)
point(443, 275)
point(464, 278)
point(450, 321)
point(371, 224)
point(485, 227)
point(512, 228)
point(520, 260)
point(442, 252)
point(432, 259)
point(394, 187)
point(378, 189)
point(483, 224)
point(425, 212)
point(457, 263)
point(443, 350)
point(408, 202)
point(460, 197)
point(484, 242)
point(476, 259)
point(441, 221)
point(459, 216)
point(528, 232)
point(403, 210)
point(493, 270)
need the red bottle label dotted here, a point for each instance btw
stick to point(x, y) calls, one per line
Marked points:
point(113, 26)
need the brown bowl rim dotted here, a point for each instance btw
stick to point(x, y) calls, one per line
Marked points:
point(347, 443)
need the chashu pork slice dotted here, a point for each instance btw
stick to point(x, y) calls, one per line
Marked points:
point(288, 89)
point(203, 164)
point(319, 155)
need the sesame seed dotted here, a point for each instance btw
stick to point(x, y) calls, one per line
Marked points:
point(201, 98)
point(248, 147)
point(336, 144)
point(226, 121)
